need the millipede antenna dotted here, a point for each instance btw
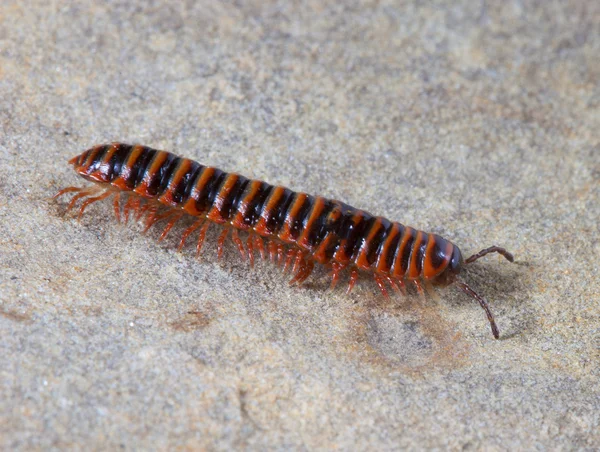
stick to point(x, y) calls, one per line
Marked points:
point(491, 249)
point(466, 289)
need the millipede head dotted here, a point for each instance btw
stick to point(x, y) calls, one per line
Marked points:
point(452, 270)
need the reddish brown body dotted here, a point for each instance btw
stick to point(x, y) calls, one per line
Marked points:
point(304, 228)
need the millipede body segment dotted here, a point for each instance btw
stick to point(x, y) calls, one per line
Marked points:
point(295, 229)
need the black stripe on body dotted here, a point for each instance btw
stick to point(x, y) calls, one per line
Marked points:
point(407, 251)
point(331, 228)
point(114, 165)
point(95, 157)
point(298, 222)
point(377, 241)
point(228, 207)
point(214, 186)
point(155, 178)
point(355, 234)
point(321, 225)
point(167, 169)
point(208, 192)
point(139, 167)
point(181, 192)
point(437, 256)
point(238, 194)
point(257, 205)
point(276, 216)
point(418, 253)
point(393, 248)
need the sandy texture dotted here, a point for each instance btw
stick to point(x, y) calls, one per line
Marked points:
point(479, 121)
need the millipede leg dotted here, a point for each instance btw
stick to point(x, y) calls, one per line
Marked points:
point(335, 278)
point(392, 283)
point(491, 249)
point(352, 282)
point(201, 237)
point(116, 207)
point(401, 285)
point(308, 269)
point(238, 242)
point(89, 201)
point(336, 268)
point(319, 254)
point(288, 259)
point(466, 289)
point(67, 190)
point(166, 214)
point(381, 284)
point(139, 208)
point(134, 205)
point(77, 198)
point(170, 225)
point(261, 246)
point(280, 249)
point(298, 275)
point(305, 270)
point(187, 233)
point(152, 218)
point(431, 291)
point(298, 261)
point(127, 208)
point(272, 250)
point(250, 246)
point(419, 288)
point(221, 242)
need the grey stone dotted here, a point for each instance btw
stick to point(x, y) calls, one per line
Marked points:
point(479, 121)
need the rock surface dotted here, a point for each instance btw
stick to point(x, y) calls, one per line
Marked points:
point(479, 121)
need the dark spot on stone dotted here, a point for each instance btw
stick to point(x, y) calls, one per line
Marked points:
point(193, 320)
point(400, 340)
point(15, 316)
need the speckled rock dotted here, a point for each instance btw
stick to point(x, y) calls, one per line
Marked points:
point(479, 121)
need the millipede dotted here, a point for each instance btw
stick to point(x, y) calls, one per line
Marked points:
point(296, 230)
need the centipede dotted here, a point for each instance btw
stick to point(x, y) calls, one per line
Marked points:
point(295, 230)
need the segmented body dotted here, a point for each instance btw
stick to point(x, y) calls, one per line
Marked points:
point(300, 229)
